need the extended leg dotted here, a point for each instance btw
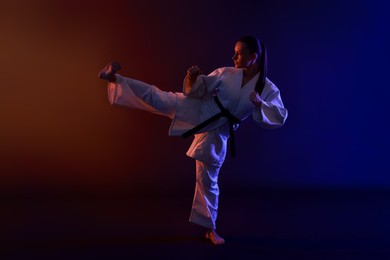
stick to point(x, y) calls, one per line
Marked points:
point(133, 93)
point(164, 102)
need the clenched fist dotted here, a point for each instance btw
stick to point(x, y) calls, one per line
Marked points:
point(255, 98)
point(193, 73)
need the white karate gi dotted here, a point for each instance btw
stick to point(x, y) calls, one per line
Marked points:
point(192, 107)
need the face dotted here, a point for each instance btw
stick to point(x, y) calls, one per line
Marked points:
point(242, 58)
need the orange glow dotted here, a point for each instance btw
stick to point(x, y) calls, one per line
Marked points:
point(57, 126)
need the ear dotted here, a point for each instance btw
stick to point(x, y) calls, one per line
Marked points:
point(254, 57)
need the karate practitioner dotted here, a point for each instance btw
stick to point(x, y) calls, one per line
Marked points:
point(238, 91)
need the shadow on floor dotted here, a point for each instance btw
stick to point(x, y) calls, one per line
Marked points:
point(267, 225)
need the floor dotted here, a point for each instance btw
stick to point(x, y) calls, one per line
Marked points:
point(256, 225)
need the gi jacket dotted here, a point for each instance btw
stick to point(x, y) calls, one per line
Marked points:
point(196, 104)
point(226, 84)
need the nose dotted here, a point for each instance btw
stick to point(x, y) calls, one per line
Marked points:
point(234, 56)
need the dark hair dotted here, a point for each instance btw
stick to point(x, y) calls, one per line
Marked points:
point(256, 46)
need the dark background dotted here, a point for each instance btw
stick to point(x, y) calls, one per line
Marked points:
point(59, 134)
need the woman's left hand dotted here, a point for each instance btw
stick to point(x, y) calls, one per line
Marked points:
point(254, 97)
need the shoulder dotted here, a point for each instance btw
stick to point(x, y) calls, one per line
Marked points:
point(270, 90)
point(226, 71)
point(270, 85)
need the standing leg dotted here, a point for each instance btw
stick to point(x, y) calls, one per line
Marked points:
point(205, 204)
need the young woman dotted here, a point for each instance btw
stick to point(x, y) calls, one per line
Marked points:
point(210, 107)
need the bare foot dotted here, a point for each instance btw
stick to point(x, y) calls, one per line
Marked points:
point(108, 72)
point(214, 237)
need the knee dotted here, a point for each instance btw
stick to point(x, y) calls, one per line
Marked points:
point(207, 183)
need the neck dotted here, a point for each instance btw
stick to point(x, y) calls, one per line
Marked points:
point(251, 71)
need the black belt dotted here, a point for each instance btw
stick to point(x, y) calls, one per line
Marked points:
point(224, 112)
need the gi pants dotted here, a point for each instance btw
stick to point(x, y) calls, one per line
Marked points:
point(150, 98)
point(205, 204)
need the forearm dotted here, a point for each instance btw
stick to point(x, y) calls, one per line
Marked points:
point(187, 85)
point(190, 79)
point(270, 115)
point(195, 89)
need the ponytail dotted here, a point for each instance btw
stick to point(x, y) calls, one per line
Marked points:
point(263, 69)
point(258, 47)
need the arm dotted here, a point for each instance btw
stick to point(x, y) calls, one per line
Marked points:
point(269, 112)
point(191, 77)
point(192, 85)
point(201, 86)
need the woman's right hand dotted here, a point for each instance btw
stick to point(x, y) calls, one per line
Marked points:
point(192, 73)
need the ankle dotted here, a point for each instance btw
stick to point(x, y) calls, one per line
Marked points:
point(112, 79)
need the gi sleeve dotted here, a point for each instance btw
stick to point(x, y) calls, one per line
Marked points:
point(272, 113)
point(204, 86)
